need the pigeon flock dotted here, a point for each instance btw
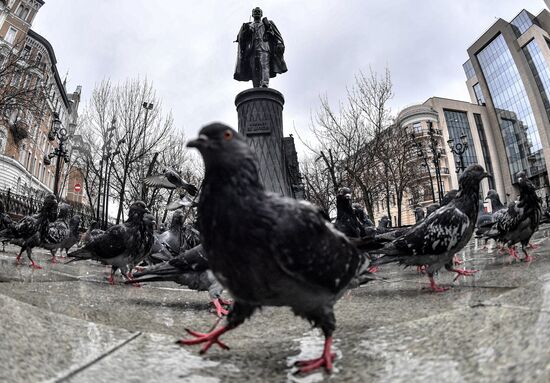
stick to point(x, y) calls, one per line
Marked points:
point(267, 250)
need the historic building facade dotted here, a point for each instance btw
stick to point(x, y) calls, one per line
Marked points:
point(24, 134)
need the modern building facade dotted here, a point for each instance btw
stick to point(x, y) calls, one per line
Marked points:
point(24, 133)
point(433, 123)
point(508, 72)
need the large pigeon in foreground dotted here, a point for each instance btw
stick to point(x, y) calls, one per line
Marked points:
point(435, 240)
point(267, 250)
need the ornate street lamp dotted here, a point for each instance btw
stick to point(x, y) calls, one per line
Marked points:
point(459, 148)
point(57, 131)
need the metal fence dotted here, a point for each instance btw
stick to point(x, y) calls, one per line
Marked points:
point(19, 206)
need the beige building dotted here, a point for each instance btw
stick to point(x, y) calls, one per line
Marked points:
point(24, 134)
point(448, 119)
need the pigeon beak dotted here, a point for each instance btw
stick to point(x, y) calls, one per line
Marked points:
point(487, 175)
point(198, 142)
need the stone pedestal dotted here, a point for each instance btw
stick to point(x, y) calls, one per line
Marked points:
point(260, 113)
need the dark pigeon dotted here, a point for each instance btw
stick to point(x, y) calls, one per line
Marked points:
point(434, 241)
point(448, 197)
point(431, 208)
point(346, 220)
point(190, 269)
point(486, 220)
point(384, 225)
point(122, 246)
point(170, 179)
point(63, 233)
point(519, 221)
point(267, 250)
point(362, 215)
point(419, 214)
point(92, 232)
point(32, 230)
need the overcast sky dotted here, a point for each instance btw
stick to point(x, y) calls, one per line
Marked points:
point(186, 48)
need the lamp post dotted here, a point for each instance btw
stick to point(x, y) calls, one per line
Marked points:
point(436, 156)
point(147, 106)
point(459, 148)
point(57, 131)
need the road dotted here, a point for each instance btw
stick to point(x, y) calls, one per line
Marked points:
point(66, 323)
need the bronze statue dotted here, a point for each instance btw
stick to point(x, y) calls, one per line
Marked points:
point(260, 51)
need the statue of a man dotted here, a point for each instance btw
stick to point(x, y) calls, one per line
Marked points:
point(260, 51)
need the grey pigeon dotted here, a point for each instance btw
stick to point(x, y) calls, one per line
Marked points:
point(419, 214)
point(189, 268)
point(170, 179)
point(519, 221)
point(434, 241)
point(122, 246)
point(267, 250)
point(431, 208)
point(63, 233)
point(168, 243)
point(31, 230)
point(486, 220)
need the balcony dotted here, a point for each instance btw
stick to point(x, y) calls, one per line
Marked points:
point(424, 132)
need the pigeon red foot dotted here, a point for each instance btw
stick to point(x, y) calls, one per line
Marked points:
point(421, 269)
point(210, 339)
point(373, 269)
point(53, 260)
point(35, 265)
point(533, 246)
point(220, 311)
point(527, 257)
point(131, 280)
point(457, 261)
point(463, 273)
point(112, 281)
point(513, 252)
point(325, 360)
point(435, 288)
point(18, 259)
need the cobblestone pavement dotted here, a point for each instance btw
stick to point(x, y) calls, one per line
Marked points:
point(65, 323)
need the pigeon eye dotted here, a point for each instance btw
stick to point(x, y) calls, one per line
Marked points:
point(227, 135)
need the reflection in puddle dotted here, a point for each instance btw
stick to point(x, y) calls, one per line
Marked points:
point(311, 347)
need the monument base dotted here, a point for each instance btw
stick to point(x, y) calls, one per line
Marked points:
point(260, 114)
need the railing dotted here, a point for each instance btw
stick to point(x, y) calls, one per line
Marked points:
point(19, 206)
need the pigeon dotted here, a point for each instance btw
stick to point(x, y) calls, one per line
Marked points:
point(418, 214)
point(189, 268)
point(431, 208)
point(434, 241)
point(447, 198)
point(519, 221)
point(346, 220)
point(485, 220)
point(122, 246)
point(32, 230)
point(361, 215)
point(168, 243)
point(170, 179)
point(384, 225)
point(63, 233)
point(5, 223)
point(184, 201)
point(265, 249)
point(90, 234)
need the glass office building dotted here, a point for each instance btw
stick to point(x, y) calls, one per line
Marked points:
point(514, 84)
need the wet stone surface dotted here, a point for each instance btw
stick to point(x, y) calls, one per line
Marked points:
point(66, 323)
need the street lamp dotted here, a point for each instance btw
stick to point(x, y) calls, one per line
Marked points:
point(459, 148)
point(147, 106)
point(57, 131)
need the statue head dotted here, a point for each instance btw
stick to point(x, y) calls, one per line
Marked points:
point(257, 13)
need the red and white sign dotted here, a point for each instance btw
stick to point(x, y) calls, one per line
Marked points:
point(77, 188)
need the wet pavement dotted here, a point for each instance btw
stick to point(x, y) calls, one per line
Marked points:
point(66, 323)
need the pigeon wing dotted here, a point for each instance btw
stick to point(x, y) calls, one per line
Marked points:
point(308, 248)
point(437, 234)
point(158, 181)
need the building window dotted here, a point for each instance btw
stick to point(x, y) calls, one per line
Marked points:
point(27, 51)
point(22, 12)
point(540, 71)
point(469, 69)
point(39, 57)
point(484, 148)
point(479, 95)
point(522, 22)
point(457, 125)
point(519, 130)
point(10, 35)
